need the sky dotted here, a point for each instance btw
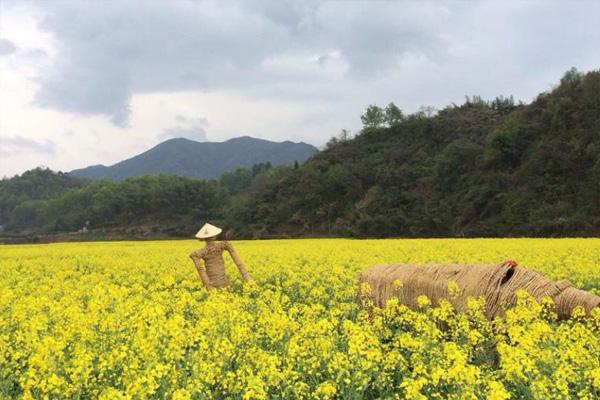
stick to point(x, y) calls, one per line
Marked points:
point(95, 82)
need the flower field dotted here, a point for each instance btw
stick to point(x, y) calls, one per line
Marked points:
point(130, 320)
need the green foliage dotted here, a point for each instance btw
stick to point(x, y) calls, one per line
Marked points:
point(237, 181)
point(503, 104)
point(157, 200)
point(344, 136)
point(506, 145)
point(478, 169)
point(36, 184)
point(374, 117)
point(393, 115)
point(260, 167)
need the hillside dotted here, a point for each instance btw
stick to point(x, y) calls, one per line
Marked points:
point(36, 184)
point(206, 160)
point(478, 169)
point(483, 168)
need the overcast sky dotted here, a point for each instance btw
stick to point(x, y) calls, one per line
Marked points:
point(89, 82)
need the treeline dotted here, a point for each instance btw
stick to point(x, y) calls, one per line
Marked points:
point(482, 168)
point(42, 201)
point(37, 184)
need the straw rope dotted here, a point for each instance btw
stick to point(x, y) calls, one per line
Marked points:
point(497, 284)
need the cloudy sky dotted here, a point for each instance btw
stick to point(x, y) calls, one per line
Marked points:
point(93, 82)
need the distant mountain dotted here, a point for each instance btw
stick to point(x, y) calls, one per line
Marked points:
point(193, 159)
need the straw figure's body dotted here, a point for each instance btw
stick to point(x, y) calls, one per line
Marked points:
point(209, 259)
point(497, 284)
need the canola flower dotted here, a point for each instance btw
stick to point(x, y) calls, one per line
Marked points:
point(130, 320)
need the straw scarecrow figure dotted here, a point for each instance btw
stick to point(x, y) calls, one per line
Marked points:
point(212, 273)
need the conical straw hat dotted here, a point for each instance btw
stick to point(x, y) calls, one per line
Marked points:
point(208, 231)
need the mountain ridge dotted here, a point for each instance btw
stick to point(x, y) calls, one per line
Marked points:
point(206, 160)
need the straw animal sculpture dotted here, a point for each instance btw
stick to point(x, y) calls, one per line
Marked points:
point(496, 283)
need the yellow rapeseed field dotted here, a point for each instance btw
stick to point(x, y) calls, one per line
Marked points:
point(130, 320)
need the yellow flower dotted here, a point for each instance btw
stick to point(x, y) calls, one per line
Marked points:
point(496, 391)
point(325, 390)
point(423, 301)
point(453, 289)
point(595, 378)
point(181, 394)
point(125, 320)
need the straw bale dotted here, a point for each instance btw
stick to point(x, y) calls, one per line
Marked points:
point(496, 283)
point(572, 297)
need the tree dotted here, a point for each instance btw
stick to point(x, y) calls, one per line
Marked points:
point(373, 117)
point(475, 101)
point(571, 78)
point(506, 145)
point(503, 104)
point(236, 181)
point(344, 136)
point(260, 167)
point(393, 115)
point(427, 111)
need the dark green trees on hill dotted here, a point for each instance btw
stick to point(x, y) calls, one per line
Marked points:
point(479, 169)
point(161, 202)
point(34, 185)
point(376, 117)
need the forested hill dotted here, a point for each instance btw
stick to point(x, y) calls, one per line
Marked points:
point(479, 169)
point(483, 168)
point(193, 159)
point(34, 185)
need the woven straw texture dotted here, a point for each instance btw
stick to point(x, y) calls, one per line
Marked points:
point(212, 273)
point(496, 283)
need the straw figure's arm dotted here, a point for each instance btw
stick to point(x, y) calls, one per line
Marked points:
point(237, 261)
point(196, 257)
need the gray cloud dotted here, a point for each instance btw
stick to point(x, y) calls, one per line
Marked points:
point(10, 145)
point(7, 47)
point(189, 128)
point(353, 52)
point(288, 69)
point(109, 50)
